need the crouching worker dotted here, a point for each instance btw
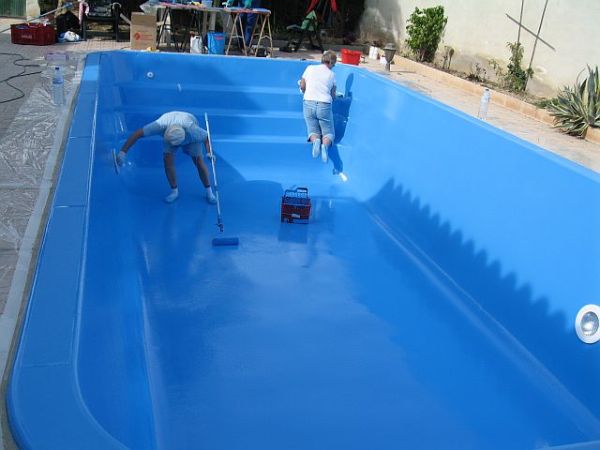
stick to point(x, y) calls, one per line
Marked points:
point(178, 129)
point(318, 85)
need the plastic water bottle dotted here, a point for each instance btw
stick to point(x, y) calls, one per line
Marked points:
point(484, 104)
point(372, 52)
point(58, 87)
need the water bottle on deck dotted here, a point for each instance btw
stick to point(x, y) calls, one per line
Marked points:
point(58, 87)
point(484, 104)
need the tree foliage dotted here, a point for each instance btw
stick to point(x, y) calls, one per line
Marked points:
point(425, 28)
point(516, 77)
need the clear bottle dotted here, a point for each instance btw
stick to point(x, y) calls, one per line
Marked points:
point(484, 104)
point(372, 52)
point(58, 87)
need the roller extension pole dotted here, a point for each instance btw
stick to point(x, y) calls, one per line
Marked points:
point(220, 240)
point(66, 5)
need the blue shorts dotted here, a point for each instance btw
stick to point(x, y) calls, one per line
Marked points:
point(319, 119)
point(194, 149)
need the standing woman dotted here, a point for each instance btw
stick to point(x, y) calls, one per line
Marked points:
point(318, 86)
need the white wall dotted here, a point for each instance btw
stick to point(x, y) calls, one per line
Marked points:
point(479, 30)
point(32, 9)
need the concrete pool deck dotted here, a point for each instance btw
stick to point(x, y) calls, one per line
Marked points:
point(20, 251)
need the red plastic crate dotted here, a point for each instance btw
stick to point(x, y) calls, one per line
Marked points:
point(32, 34)
point(295, 205)
point(351, 56)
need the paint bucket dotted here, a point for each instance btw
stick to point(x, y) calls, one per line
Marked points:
point(351, 56)
point(216, 43)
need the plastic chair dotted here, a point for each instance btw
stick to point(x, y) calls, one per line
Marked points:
point(102, 11)
point(310, 28)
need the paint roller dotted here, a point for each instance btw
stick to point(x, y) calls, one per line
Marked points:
point(220, 240)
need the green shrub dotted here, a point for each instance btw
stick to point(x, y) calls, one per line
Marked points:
point(424, 29)
point(516, 77)
point(577, 108)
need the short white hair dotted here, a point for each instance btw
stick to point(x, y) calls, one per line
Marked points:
point(329, 57)
point(174, 135)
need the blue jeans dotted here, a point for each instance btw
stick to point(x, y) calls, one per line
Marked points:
point(319, 119)
point(249, 20)
point(194, 149)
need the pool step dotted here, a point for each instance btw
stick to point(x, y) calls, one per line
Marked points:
point(148, 152)
point(222, 122)
point(177, 96)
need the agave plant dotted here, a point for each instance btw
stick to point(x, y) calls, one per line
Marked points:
point(577, 108)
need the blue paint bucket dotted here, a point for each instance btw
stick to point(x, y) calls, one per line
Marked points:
point(216, 43)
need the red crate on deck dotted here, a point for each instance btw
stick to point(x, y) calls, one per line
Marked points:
point(295, 205)
point(32, 34)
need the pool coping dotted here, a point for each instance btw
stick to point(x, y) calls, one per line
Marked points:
point(62, 213)
point(11, 319)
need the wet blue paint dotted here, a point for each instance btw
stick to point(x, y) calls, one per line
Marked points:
point(428, 304)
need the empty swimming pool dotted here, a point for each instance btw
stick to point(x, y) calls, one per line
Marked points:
point(428, 304)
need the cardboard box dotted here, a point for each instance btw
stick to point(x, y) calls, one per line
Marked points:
point(143, 31)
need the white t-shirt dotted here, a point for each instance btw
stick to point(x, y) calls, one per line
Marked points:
point(193, 133)
point(319, 82)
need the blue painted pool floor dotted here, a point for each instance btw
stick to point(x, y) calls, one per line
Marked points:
point(327, 336)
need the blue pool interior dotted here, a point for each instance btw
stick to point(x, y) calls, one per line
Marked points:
point(428, 304)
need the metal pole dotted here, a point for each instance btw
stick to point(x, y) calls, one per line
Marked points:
point(530, 32)
point(66, 5)
point(537, 37)
point(520, 21)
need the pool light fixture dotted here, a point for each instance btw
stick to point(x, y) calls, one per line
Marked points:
point(587, 324)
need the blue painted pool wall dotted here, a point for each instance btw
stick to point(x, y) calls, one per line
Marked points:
point(50, 402)
point(511, 224)
point(508, 222)
point(112, 360)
